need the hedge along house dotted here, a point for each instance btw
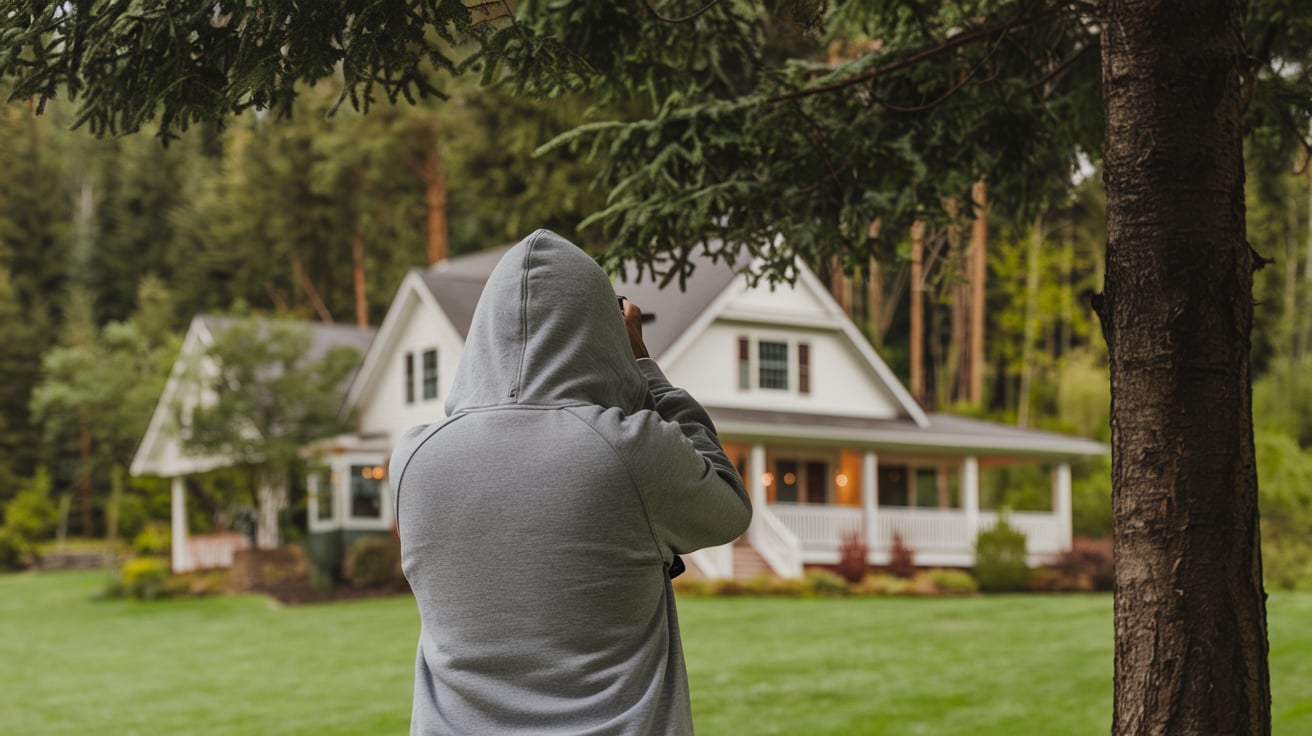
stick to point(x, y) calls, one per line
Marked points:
point(829, 441)
point(163, 450)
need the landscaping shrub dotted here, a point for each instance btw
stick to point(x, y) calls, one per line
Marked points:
point(727, 587)
point(852, 556)
point(697, 587)
point(902, 559)
point(144, 578)
point(374, 562)
point(881, 583)
point(15, 550)
point(1087, 565)
point(825, 584)
point(758, 584)
point(154, 539)
point(950, 582)
point(1000, 559)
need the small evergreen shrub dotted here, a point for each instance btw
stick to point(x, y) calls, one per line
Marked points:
point(825, 584)
point(902, 559)
point(145, 578)
point(727, 587)
point(788, 587)
point(373, 562)
point(852, 555)
point(1000, 559)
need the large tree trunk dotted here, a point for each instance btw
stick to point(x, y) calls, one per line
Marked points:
point(1191, 646)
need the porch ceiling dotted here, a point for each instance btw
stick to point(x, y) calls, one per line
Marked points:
point(945, 433)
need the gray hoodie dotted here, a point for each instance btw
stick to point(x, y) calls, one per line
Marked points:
point(539, 520)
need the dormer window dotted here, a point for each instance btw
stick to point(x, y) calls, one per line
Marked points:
point(772, 365)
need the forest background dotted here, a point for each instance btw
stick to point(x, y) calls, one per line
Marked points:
point(109, 246)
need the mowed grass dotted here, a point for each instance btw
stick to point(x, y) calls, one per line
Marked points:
point(1009, 665)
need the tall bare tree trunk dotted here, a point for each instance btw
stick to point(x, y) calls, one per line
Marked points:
point(917, 313)
point(357, 279)
point(979, 238)
point(84, 471)
point(1190, 618)
point(1030, 332)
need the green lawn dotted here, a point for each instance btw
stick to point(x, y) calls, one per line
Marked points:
point(1009, 665)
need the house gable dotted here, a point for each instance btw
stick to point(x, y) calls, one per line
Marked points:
point(161, 452)
point(418, 344)
point(789, 348)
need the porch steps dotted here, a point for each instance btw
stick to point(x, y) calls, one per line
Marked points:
point(748, 563)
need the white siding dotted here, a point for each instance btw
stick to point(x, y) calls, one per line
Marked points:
point(420, 328)
point(841, 381)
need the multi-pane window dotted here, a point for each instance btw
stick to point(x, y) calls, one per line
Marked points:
point(366, 491)
point(409, 378)
point(430, 374)
point(805, 481)
point(772, 364)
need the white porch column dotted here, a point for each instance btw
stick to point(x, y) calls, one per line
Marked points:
point(756, 466)
point(1061, 505)
point(970, 498)
point(180, 553)
point(870, 497)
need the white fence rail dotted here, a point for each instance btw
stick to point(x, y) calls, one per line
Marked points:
point(209, 551)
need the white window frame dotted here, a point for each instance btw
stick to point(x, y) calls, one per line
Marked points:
point(339, 472)
point(754, 339)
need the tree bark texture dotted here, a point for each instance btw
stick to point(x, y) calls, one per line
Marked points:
point(1190, 619)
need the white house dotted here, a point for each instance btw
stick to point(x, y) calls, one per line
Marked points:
point(163, 452)
point(829, 441)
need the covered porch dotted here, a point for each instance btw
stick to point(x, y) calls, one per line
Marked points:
point(937, 488)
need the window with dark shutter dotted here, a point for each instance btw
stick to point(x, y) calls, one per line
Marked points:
point(803, 368)
point(430, 374)
point(773, 364)
point(744, 363)
point(409, 378)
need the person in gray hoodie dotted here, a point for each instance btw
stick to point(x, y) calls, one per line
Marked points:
point(539, 521)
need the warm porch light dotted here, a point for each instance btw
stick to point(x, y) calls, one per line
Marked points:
point(840, 480)
point(767, 479)
point(789, 478)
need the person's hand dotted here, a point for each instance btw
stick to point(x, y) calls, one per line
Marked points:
point(633, 325)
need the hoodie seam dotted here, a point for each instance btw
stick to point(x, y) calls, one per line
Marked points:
point(523, 315)
point(633, 482)
point(396, 489)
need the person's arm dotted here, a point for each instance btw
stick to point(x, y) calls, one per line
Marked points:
point(694, 494)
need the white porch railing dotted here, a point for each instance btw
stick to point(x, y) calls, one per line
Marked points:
point(209, 551)
point(936, 536)
point(924, 530)
point(775, 542)
point(818, 528)
point(714, 562)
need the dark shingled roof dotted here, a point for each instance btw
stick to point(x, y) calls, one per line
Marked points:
point(457, 283)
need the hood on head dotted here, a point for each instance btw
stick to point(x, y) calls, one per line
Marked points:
point(547, 330)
